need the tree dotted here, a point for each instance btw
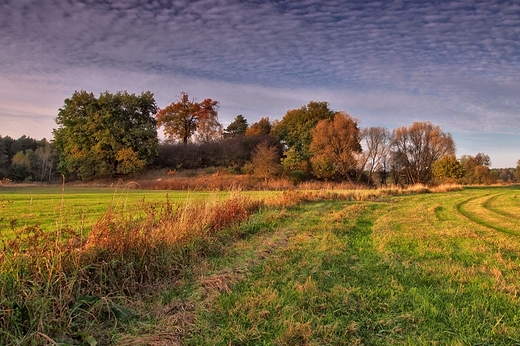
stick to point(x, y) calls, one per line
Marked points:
point(45, 155)
point(97, 135)
point(237, 127)
point(296, 126)
point(182, 118)
point(209, 130)
point(260, 128)
point(517, 171)
point(476, 168)
point(266, 161)
point(375, 142)
point(323, 167)
point(20, 167)
point(336, 142)
point(4, 157)
point(417, 147)
point(448, 169)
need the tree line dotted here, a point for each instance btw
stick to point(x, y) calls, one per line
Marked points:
point(115, 134)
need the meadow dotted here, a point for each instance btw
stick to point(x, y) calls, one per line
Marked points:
point(55, 207)
point(287, 268)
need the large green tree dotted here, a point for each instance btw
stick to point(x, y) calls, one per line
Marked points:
point(112, 134)
point(296, 126)
point(183, 118)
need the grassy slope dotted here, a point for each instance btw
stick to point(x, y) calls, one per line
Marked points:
point(422, 269)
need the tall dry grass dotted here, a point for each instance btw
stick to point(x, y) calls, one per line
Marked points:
point(217, 181)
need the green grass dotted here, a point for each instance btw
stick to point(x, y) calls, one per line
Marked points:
point(80, 207)
point(437, 268)
point(419, 269)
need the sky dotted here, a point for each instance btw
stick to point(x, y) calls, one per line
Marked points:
point(386, 63)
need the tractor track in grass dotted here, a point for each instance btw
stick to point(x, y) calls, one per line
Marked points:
point(488, 204)
point(462, 208)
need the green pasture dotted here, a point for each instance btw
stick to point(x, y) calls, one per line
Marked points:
point(79, 208)
point(407, 269)
point(426, 269)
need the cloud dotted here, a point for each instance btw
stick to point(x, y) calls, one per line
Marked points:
point(454, 62)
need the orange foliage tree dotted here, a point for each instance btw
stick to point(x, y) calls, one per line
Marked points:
point(183, 118)
point(334, 145)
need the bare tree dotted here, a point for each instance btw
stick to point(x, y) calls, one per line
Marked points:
point(375, 142)
point(417, 147)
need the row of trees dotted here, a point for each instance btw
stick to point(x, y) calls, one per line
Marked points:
point(116, 134)
point(27, 159)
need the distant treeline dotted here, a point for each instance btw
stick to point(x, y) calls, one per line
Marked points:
point(115, 135)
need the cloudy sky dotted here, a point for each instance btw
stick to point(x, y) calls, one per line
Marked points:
point(386, 63)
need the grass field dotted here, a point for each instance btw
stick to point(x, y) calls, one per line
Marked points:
point(80, 207)
point(420, 269)
point(431, 268)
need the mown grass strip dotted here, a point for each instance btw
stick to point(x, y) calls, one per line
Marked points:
point(490, 205)
point(471, 216)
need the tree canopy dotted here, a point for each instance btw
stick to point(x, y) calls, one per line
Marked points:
point(183, 118)
point(334, 145)
point(448, 169)
point(417, 147)
point(112, 134)
point(260, 128)
point(296, 126)
point(237, 127)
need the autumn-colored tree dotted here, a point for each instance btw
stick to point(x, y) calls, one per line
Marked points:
point(296, 126)
point(336, 142)
point(93, 131)
point(476, 169)
point(182, 118)
point(260, 128)
point(266, 161)
point(517, 171)
point(417, 147)
point(237, 127)
point(209, 130)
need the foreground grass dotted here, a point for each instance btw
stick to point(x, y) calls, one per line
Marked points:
point(298, 268)
point(68, 287)
point(420, 269)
